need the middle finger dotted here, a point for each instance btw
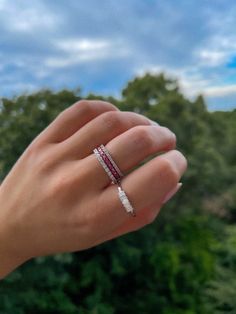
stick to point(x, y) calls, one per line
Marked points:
point(99, 131)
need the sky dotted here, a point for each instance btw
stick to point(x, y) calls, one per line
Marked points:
point(101, 45)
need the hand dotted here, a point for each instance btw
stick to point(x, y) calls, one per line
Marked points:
point(57, 197)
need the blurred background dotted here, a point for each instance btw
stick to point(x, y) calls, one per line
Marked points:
point(174, 62)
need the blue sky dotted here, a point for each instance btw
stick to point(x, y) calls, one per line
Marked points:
point(100, 45)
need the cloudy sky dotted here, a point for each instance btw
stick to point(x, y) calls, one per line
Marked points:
point(100, 45)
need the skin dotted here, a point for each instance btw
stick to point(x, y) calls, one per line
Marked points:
point(57, 197)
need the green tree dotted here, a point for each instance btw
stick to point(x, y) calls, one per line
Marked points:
point(183, 262)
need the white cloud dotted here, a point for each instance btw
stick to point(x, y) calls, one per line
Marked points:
point(80, 50)
point(220, 45)
point(42, 41)
point(19, 18)
point(212, 58)
point(29, 20)
point(217, 52)
point(193, 86)
point(190, 80)
point(79, 45)
point(220, 91)
point(18, 87)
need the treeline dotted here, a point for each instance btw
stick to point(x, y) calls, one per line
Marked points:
point(183, 263)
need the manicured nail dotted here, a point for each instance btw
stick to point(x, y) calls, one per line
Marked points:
point(172, 193)
point(174, 136)
point(153, 122)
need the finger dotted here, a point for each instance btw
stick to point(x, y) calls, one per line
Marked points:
point(145, 217)
point(132, 147)
point(100, 131)
point(73, 118)
point(145, 187)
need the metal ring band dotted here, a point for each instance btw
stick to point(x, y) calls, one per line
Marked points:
point(107, 170)
point(125, 201)
point(111, 160)
point(109, 164)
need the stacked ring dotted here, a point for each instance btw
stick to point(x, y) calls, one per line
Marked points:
point(104, 157)
point(108, 164)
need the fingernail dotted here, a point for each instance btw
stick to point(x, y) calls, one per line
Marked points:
point(172, 193)
point(174, 136)
point(153, 122)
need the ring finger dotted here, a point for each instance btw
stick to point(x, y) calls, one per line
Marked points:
point(146, 188)
point(145, 217)
point(132, 147)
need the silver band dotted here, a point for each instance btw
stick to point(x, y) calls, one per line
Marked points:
point(125, 201)
point(109, 173)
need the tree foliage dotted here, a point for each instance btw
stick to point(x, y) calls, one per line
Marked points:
point(184, 263)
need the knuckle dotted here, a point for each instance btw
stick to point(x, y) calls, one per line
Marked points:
point(32, 151)
point(58, 185)
point(86, 106)
point(43, 161)
point(36, 158)
point(64, 115)
point(142, 138)
point(111, 120)
point(42, 165)
point(181, 157)
point(168, 171)
point(169, 135)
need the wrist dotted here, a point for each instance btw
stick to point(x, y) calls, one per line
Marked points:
point(9, 258)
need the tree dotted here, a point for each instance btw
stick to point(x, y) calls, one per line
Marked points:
point(175, 265)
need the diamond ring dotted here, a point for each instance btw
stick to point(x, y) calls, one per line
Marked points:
point(125, 201)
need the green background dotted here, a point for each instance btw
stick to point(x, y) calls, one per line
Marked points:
point(184, 262)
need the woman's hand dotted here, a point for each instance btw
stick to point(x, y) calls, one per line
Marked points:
point(57, 197)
